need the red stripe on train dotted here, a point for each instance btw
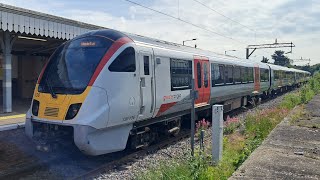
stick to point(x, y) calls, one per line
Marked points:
point(42, 71)
point(165, 107)
point(115, 46)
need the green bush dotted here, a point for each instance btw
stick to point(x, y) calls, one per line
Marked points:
point(306, 93)
point(291, 100)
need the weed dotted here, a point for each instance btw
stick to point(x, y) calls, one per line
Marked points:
point(230, 125)
point(201, 125)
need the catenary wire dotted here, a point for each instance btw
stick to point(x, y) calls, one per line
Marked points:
point(185, 21)
point(223, 15)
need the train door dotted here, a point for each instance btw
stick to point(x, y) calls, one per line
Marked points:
point(146, 64)
point(256, 78)
point(202, 80)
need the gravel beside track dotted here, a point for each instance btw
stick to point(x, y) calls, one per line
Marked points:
point(19, 158)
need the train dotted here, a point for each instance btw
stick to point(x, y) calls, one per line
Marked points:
point(109, 90)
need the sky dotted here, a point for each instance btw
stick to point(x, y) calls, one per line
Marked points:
point(224, 24)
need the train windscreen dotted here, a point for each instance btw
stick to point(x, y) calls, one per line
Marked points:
point(72, 65)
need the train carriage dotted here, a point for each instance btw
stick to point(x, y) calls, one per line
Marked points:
point(107, 87)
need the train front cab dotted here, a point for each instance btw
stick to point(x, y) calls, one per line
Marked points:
point(72, 91)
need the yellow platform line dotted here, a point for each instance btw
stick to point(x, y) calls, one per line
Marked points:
point(12, 116)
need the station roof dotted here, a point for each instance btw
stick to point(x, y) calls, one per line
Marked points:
point(19, 20)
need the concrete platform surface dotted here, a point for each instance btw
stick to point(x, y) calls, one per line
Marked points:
point(12, 122)
point(16, 118)
point(289, 152)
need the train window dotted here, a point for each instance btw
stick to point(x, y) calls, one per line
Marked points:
point(276, 75)
point(125, 62)
point(146, 65)
point(68, 70)
point(244, 74)
point(205, 75)
point(229, 74)
point(261, 75)
point(287, 74)
point(250, 75)
point(281, 75)
point(264, 75)
point(199, 78)
point(181, 74)
point(237, 75)
point(217, 74)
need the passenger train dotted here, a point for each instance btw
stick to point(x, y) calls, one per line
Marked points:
point(109, 90)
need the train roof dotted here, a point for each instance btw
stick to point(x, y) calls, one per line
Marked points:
point(160, 44)
point(142, 40)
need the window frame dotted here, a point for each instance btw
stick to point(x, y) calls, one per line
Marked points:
point(250, 75)
point(235, 79)
point(115, 61)
point(146, 65)
point(188, 70)
point(244, 74)
point(205, 75)
point(226, 72)
point(199, 75)
point(264, 75)
point(221, 73)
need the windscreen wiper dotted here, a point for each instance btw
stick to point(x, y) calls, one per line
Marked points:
point(53, 94)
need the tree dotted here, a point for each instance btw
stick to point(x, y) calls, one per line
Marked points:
point(265, 59)
point(280, 58)
point(312, 69)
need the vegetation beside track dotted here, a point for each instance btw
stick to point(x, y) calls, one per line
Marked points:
point(241, 138)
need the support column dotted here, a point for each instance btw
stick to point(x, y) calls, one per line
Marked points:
point(6, 44)
point(217, 133)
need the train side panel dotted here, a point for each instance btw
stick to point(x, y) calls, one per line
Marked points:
point(172, 89)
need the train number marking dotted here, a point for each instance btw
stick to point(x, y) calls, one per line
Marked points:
point(172, 97)
point(129, 118)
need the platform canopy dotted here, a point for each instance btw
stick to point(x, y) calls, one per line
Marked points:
point(25, 33)
point(19, 20)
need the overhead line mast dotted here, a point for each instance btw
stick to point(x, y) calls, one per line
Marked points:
point(300, 60)
point(267, 46)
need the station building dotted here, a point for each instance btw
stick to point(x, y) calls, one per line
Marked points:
point(27, 39)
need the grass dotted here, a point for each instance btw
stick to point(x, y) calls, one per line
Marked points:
point(237, 145)
point(297, 115)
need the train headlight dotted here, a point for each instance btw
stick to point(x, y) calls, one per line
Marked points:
point(35, 107)
point(73, 111)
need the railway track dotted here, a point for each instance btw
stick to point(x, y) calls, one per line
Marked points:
point(87, 167)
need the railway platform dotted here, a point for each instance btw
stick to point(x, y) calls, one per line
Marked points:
point(291, 151)
point(16, 118)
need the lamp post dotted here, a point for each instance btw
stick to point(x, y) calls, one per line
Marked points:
point(188, 40)
point(225, 52)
